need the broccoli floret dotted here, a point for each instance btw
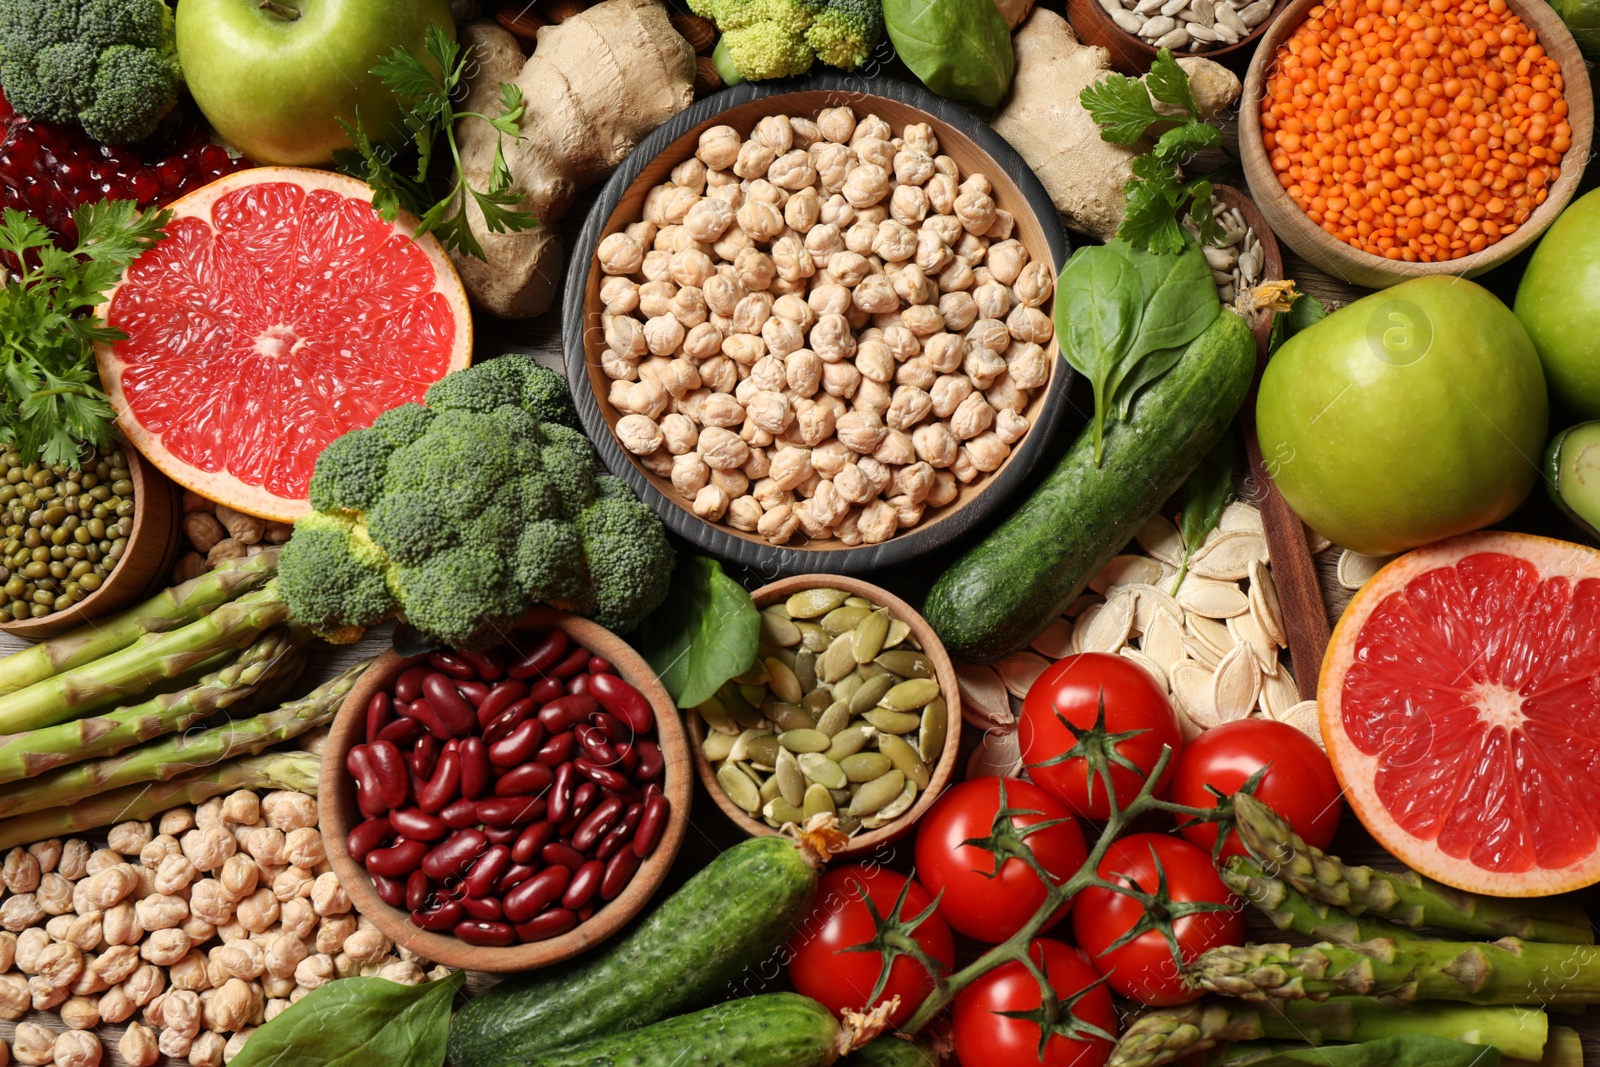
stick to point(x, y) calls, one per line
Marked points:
point(332, 577)
point(630, 561)
point(545, 394)
point(349, 473)
point(412, 526)
point(465, 597)
point(539, 498)
point(847, 32)
point(549, 562)
point(464, 457)
point(482, 387)
point(110, 66)
point(402, 425)
point(570, 463)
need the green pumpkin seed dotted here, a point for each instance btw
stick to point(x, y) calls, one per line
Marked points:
point(904, 758)
point(849, 823)
point(893, 722)
point(859, 602)
point(744, 713)
point(935, 729)
point(870, 692)
point(907, 664)
point(849, 741)
point(739, 788)
point(843, 620)
point(791, 783)
point(813, 638)
point(754, 694)
point(716, 716)
point(841, 797)
point(898, 631)
point(741, 744)
point(769, 788)
point(784, 656)
point(868, 639)
point(778, 629)
point(877, 794)
point(871, 670)
point(763, 749)
point(822, 770)
point(845, 688)
point(805, 669)
point(755, 675)
point(818, 801)
point(835, 718)
point(837, 661)
point(780, 811)
point(805, 740)
point(782, 681)
point(777, 609)
point(818, 700)
point(814, 603)
point(717, 746)
point(865, 766)
point(894, 809)
point(910, 694)
point(789, 716)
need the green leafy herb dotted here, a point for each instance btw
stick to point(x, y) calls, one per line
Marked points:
point(50, 395)
point(428, 97)
point(1402, 1050)
point(960, 49)
point(704, 633)
point(354, 1022)
point(1202, 498)
point(1305, 312)
point(1124, 316)
point(1156, 193)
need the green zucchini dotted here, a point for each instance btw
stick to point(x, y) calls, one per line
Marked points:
point(893, 1050)
point(1572, 475)
point(691, 950)
point(1005, 590)
point(771, 1030)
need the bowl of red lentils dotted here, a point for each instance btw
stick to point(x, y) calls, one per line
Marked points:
point(1390, 139)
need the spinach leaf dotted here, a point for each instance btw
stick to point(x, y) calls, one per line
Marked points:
point(355, 1022)
point(1402, 1050)
point(704, 633)
point(1098, 307)
point(961, 49)
point(1202, 498)
point(1179, 302)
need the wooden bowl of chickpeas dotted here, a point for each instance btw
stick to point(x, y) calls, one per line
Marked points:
point(812, 325)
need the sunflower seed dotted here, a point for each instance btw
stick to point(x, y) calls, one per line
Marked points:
point(1109, 629)
point(1303, 717)
point(739, 788)
point(877, 794)
point(1239, 516)
point(1192, 691)
point(1278, 694)
point(984, 702)
point(1228, 556)
point(1236, 685)
point(1126, 570)
point(1213, 599)
point(1020, 670)
point(998, 755)
point(1162, 540)
point(1356, 570)
point(1055, 642)
point(1264, 607)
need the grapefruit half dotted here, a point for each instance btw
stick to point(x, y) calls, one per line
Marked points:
point(1460, 703)
point(280, 312)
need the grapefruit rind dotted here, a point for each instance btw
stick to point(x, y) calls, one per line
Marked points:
point(222, 485)
point(1357, 770)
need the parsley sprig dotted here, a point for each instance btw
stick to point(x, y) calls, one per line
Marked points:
point(414, 180)
point(50, 393)
point(1123, 109)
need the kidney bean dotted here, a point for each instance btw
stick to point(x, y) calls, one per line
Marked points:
point(594, 745)
point(584, 797)
point(369, 795)
point(454, 666)
point(551, 923)
point(560, 794)
point(603, 776)
point(490, 665)
point(379, 715)
point(599, 665)
point(618, 836)
point(459, 814)
point(441, 917)
point(619, 872)
point(368, 836)
point(475, 692)
point(416, 890)
point(573, 663)
point(546, 652)
point(393, 777)
point(651, 761)
point(487, 871)
point(450, 859)
point(444, 786)
point(424, 757)
point(515, 876)
point(537, 893)
point(403, 731)
point(547, 689)
point(474, 767)
point(397, 861)
point(585, 883)
point(562, 713)
point(501, 835)
point(627, 757)
point(425, 713)
point(613, 728)
point(390, 890)
point(418, 825)
point(559, 855)
point(501, 697)
point(518, 745)
point(486, 908)
point(531, 840)
point(579, 685)
point(509, 720)
point(485, 933)
point(652, 823)
point(454, 712)
point(596, 823)
point(528, 778)
point(556, 750)
point(623, 701)
point(510, 811)
point(408, 686)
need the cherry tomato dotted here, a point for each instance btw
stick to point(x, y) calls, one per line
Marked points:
point(1143, 968)
point(821, 965)
point(977, 901)
point(1135, 706)
point(984, 1036)
point(1299, 783)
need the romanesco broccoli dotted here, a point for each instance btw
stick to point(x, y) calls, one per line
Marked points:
point(764, 39)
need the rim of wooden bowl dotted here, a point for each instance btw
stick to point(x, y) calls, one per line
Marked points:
point(1326, 252)
point(146, 563)
point(1017, 190)
point(1132, 56)
point(944, 671)
point(337, 814)
point(1272, 255)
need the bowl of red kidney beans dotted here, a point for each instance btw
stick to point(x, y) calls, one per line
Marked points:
point(506, 809)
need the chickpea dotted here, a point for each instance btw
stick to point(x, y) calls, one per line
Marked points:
point(916, 371)
point(778, 524)
point(21, 871)
point(837, 124)
point(986, 451)
point(991, 334)
point(80, 1013)
point(894, 242)
point(840, 379)
point(1034, 285)
point(639, 434)
point(832, 163)
point(206, 1050)
point(33, 1044)
point(157, 849)
point(707, 220)
point(48, 853)
point(240, 876)
point(620, 254)
point(114, 1006)
point(1030, 324)
point(258, 911)
point(876, 294)
point(20, 912)
point(1009, 425)
point(718, 147)
point(710, 503)
point(625, 336)
point(161, 912)
point(138, 1046)
point(190, 973)
point(754, 159)
point(15, 1000)
point(314, 972)
point(266, 845)
point(792, 171)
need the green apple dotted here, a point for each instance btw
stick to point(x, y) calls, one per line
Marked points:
point(1559, 303)
point(1410, 415)
point(275, 77)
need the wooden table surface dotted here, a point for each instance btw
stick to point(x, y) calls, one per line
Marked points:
point(710, 831)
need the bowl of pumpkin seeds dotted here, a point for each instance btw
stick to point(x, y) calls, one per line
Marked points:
point(851, 709)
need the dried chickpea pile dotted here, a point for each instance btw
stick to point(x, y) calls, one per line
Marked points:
point(1417, 130)
point(823, 330)
point(216, 532)
point(193, 932)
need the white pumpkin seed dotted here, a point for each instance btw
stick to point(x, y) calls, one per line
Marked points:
point(984, 703)
point(1264, 607)
point(1213, 599)
point(1056, 641)
point(1163, 642)
point(1246, 631)
point(1020, 670)
point(1148, 602)
point(1126, 570)
point(1236, 685)
point(1316, 542)
point(1192, 691)
point(1151, 666)
point(998, 755)
point(1303, 717)
point(1212, 634)
point(1356, 570)
point(1228, 556)
point(1161, 539)
point(1239, 516)
point(1278, 694)
point(1202, 653)
point(1108, 630)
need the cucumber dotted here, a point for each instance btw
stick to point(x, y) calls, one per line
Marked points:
point(1006, 589)
point(730, 916)
point(892, 1050)
point(770, 1030)
point(1572, 475)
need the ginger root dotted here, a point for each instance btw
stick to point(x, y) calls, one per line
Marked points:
point(595, 85)
point(1044, 122)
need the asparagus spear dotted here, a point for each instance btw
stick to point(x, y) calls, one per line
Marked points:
point(1406, 898)
point(1508, 971)
point(273, 770)
point(138, 667)
point(270, 659)
point(1563, 1049)
point(167, 610)
point(1159, 1037)
point(1290, 910)
point(180, 753)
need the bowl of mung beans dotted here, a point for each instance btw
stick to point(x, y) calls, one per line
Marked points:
point(78, 543)
point(851, 709)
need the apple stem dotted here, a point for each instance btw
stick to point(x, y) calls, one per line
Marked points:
point(288, 14)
